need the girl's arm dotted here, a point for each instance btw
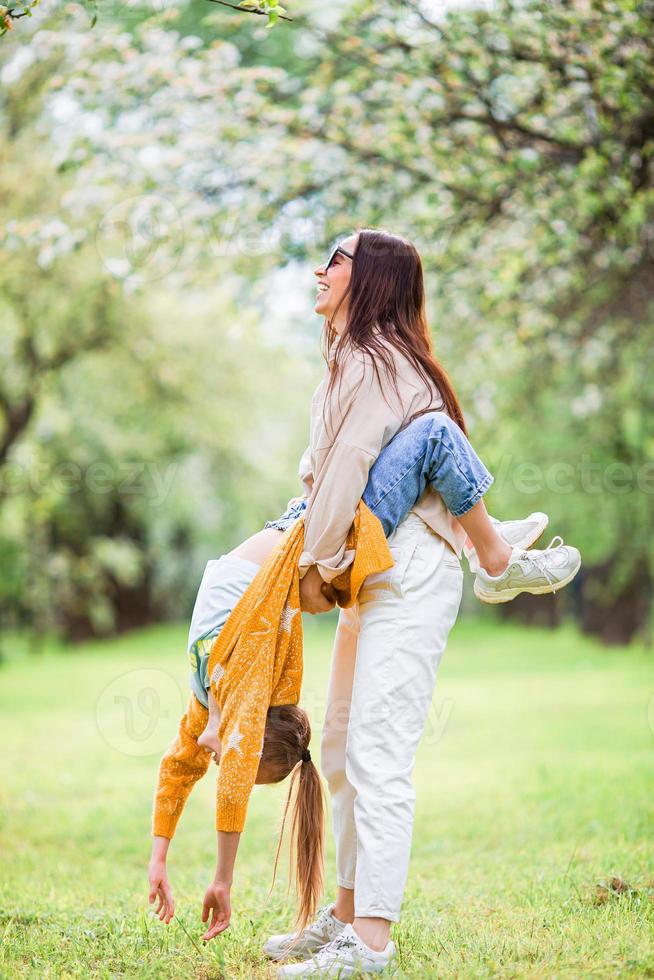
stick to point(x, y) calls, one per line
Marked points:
point(159, 883)
point(182, 765)
point(217, 899)
point(180, 768)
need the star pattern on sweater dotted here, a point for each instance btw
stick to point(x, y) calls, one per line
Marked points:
point(252, 636)
point(286, 619)
point(234, 740)
point(216, 674)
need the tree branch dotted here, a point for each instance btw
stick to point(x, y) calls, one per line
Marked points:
point(248, 10)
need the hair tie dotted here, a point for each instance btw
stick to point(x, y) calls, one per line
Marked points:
point(306, 756)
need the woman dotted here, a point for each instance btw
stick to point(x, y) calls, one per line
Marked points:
point(381, 376)
point(430, 452)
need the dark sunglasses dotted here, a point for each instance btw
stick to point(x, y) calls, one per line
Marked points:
point(334, 253)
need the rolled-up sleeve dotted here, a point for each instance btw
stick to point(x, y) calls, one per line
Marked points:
point(305, 472)
point(363, 421)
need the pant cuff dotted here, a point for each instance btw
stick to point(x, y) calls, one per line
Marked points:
point(376, 914)
point(476, 496)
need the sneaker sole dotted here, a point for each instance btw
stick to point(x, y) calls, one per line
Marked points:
point(284, 956)
point(526, 542)
point(493, 598)
point(390, 969)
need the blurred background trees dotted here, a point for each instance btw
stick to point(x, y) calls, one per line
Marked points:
point(170, 179)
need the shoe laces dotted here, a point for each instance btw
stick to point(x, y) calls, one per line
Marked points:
point(537, 558)
point(326, 955)
point(321, 920)
point(337, 945)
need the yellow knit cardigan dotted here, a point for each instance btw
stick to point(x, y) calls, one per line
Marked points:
point(255, 662)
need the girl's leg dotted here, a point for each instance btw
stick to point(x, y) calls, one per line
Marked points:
point(433, 451)
point(493, 552)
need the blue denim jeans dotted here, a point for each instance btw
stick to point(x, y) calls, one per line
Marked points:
point(431, 451)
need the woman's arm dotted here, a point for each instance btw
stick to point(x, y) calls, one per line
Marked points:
point(217, 900)
point(366, 415)
point(305, 472)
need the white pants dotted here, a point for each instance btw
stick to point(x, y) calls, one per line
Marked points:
point(386, 654)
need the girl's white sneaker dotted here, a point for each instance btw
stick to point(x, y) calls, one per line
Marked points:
point(534, 571)
point(344, 956)
point(519, 534)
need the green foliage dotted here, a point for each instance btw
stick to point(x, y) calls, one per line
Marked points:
point(137, 436)
point(512, 142)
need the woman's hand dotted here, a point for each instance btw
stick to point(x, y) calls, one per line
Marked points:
point(161, 890)
point(316, 595)
point(217, 900)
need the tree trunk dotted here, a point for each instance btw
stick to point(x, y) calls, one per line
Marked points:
point(616, 615)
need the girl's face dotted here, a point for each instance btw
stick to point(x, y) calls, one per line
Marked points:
point(332, 283)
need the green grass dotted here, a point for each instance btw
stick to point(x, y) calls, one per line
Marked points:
point(534, 785)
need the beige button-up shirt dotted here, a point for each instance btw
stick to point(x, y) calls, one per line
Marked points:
point(347, 433)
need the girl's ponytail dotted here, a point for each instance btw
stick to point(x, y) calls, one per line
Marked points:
point(307, 838)
point(306, 800)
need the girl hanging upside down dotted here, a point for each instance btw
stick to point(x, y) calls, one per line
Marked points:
point(245, 644)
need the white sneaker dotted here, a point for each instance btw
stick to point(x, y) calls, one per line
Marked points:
point(344, 956)
point(312, 938)
point(519, 534)
point(532, 571)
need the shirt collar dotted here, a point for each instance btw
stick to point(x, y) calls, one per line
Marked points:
point(331, 354)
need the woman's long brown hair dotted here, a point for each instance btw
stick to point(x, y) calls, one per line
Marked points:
point(285, 749)
point(387, 306)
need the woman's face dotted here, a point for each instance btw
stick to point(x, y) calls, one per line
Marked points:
point(333, 282)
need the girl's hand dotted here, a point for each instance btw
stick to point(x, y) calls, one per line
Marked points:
point(161, 890)
point(216, 898)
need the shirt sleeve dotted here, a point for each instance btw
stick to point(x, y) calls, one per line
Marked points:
point(305, 472)
point(183, 764)
point(363, 416)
